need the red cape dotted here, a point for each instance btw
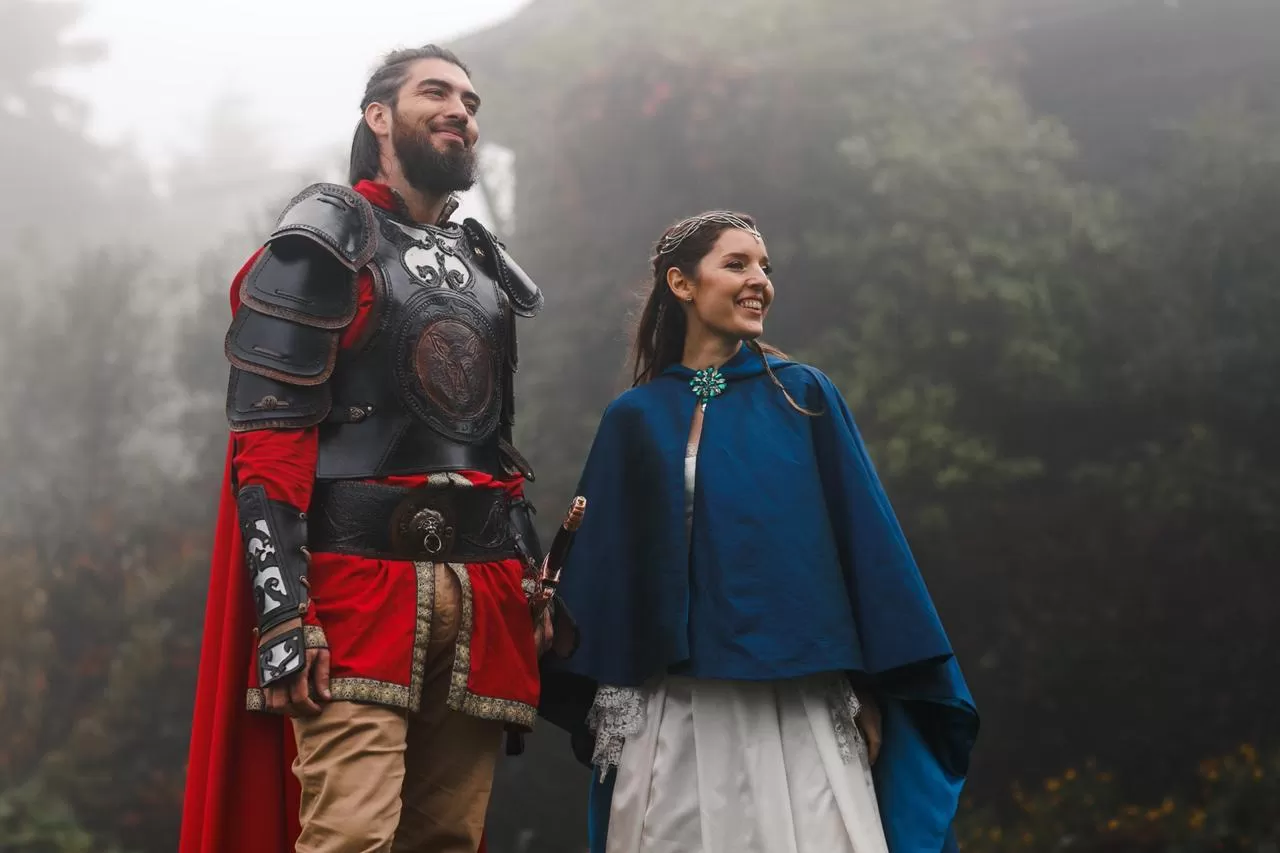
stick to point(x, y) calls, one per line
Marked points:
point(241, 795)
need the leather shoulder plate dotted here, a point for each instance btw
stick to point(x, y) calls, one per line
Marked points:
point(281, 349)
point(296, 280)
point(260, 402)
point(526, 297)
point(307, 271)
point(336, 217)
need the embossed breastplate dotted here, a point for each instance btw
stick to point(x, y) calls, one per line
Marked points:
point(428, 388)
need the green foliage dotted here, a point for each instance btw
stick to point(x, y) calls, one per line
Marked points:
point(34, 821)
point(1067, 384)
point(1232, 811)
point(1063, 383)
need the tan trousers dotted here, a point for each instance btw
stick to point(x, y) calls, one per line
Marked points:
point(377, 779)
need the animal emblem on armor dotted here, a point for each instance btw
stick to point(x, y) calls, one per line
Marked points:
point(449, 360)
point(453, 366)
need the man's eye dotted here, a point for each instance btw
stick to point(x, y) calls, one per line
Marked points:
point(768, 270)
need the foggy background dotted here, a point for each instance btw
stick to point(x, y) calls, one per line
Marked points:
point(1035, 242)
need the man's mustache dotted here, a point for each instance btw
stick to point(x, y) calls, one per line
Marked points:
point(457, 127)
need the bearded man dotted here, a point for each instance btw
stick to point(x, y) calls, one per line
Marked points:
point(368, 635)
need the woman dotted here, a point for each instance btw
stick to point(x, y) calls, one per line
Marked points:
point(752, 622)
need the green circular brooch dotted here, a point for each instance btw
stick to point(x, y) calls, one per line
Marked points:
point(707, 383)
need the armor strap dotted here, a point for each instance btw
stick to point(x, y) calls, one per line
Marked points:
point(281, 657)
point(526, 534)
point(274, 535)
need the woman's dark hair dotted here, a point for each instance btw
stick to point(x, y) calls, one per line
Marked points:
point(382, 88)
point(661, 329)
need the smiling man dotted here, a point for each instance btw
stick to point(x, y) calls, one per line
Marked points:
point(368, 635)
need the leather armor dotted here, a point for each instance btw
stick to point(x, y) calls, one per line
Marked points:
point(274, 536)
point(430, 388)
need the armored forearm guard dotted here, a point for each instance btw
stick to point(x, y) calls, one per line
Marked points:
point(274, 535)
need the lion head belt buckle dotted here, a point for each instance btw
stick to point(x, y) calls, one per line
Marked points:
point(421, 525)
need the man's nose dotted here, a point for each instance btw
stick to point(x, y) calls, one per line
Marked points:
point(457, 110)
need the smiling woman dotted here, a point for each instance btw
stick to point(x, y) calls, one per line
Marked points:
point(754, 629)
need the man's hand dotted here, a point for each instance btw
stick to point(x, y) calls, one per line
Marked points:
point(543, 632)
point(869, 722)
point(295, 696)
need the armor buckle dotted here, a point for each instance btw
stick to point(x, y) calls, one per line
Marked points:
point(424, 522)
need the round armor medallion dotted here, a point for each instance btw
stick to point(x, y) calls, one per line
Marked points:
point(449, 357)
point(452, 364)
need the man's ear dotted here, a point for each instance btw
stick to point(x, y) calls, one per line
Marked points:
point(378, 117)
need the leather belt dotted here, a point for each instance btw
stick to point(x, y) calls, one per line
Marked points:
point(444, 524)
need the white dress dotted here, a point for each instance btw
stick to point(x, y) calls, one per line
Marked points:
point(709, 766)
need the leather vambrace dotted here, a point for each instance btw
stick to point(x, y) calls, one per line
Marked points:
point(274, 535)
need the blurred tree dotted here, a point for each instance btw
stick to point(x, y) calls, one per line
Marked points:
point(64, 184)
point(1066, 385)
point(994, 320)
point(33, 821)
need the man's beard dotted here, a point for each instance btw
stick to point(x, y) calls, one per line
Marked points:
point(426, 168)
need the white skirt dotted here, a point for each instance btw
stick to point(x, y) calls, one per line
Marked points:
point(743, 767)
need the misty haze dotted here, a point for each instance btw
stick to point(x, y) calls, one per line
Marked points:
point(1036, 244)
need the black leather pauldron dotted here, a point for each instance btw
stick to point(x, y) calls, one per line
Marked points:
point(296, 299)
point(526, 297)
point(274, 535)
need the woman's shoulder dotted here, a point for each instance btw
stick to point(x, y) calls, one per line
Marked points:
point(634, 401)
point(801, 376)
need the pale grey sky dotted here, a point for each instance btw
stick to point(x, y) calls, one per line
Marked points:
point(301, 63)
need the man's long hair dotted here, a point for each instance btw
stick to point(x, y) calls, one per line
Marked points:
point(383, 87)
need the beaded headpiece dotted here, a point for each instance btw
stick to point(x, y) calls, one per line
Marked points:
point(680, 232)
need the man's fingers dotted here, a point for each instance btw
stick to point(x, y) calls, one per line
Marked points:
point(320, 673)
point(300, 690)
point(300, 703)
point(276, 699)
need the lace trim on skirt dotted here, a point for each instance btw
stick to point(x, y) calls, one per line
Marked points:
point(619, 712)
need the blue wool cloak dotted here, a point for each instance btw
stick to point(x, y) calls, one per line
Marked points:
point(796, 565)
